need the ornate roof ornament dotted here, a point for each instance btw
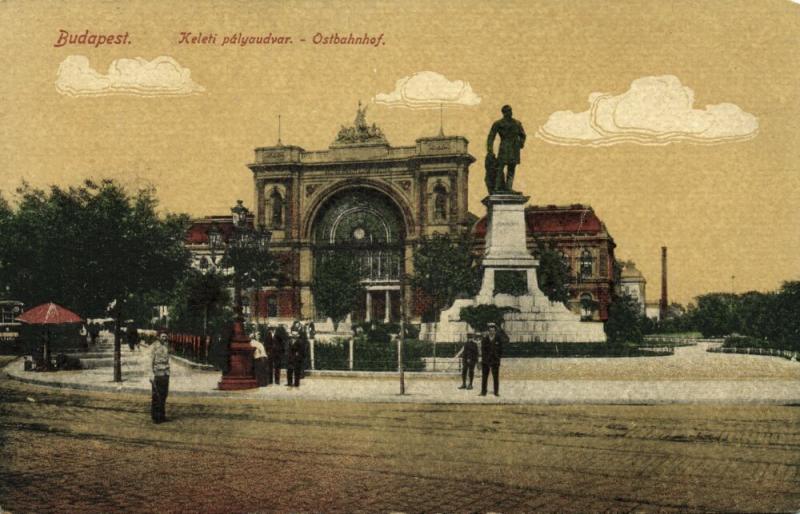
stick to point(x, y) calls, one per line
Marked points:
point(360, 132)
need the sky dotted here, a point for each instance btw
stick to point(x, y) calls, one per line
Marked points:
point(676, 121)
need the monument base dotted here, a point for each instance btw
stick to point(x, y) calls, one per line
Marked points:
point(241, 371)
point(538, 319)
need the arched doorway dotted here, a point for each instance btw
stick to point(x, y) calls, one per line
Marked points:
point(368, 226)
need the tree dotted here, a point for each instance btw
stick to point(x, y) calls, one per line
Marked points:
point(85, 246)
point(623, 324)
point(91, 246)
point(444, 268)
point(336, 286)
point(787, 320)
point(714, 315)
point(252, 262)
point(199, 302)
point(552, 274)
point(754, 314)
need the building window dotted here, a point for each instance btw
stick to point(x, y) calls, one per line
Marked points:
point(439, 202)
point(276, 201)
point(565, 260)
point(587, 264)
point(272, 307)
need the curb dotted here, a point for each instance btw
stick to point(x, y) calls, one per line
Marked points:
point(191, 364)
point(380, 374)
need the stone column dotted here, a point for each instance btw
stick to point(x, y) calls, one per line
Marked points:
point(368, 314)
point(388, 308)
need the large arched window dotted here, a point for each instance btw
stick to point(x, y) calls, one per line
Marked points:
point(276, 202)
point(439, 202)
point(368, 227)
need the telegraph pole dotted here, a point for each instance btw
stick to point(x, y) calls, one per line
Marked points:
point(402, 337)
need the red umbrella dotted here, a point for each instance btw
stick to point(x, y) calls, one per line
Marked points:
point(49, 314)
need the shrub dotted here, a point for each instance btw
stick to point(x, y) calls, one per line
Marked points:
point(479, 316)
point(745, 342)
point(370, 355)
point(331, 355)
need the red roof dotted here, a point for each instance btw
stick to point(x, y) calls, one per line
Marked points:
point(198, 231)
point(552, 219)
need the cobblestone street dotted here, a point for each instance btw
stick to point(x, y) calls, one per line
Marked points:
point(98, 452)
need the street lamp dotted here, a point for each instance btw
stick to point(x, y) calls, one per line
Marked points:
point(244, 247)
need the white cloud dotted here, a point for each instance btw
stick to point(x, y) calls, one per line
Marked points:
point(161, 76)
point(654, 111)
point(428, 90)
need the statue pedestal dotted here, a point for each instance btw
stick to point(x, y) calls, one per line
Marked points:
point(506, 248)
point(538, 319)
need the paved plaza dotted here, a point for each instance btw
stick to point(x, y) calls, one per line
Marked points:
point(596, 448)
point(691, 375)
point(78, 451)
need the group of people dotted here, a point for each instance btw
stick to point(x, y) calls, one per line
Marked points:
point(491, 351)
point(89, 334)
point(277, 346)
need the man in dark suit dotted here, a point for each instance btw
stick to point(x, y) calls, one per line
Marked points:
point(276, 352)
point(469, 357)
point(269, 342)
point(295, 358)
point(491, 353)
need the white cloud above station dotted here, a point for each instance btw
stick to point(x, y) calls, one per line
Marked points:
point(654, 111)
point(428, 90)
point(162, 76)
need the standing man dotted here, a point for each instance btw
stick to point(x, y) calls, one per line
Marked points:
point(491, 353)
point(160, 379)
point(84, 334)
point(94, 331)
point(276, 352)
point(469, 357)
point(512, 140)
point(294, 361)
point(259, 360)
point(269, 343)
point(132, 334)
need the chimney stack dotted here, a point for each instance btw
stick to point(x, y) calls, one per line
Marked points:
point(662, 305)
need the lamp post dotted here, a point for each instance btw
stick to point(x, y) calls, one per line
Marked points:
point(214, 244)
point(243, 245)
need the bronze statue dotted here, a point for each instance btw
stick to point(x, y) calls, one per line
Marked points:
point(512, 140)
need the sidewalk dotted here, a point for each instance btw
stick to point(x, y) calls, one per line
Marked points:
point(784, 388)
